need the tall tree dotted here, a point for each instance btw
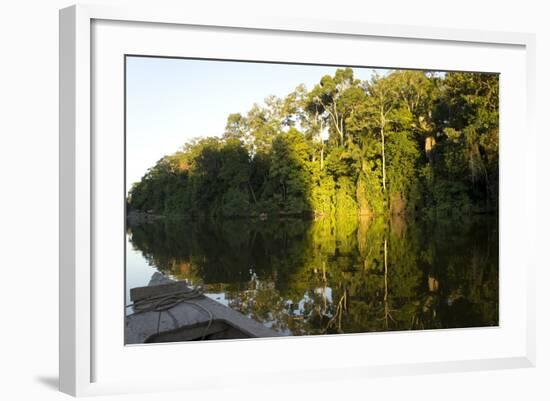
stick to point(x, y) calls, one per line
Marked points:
point(383, 100)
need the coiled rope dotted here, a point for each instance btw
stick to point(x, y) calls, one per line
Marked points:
point(164, 302)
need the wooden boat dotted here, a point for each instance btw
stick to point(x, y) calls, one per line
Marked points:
point(171, 311)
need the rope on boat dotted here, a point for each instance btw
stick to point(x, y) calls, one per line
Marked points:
point(164, 302)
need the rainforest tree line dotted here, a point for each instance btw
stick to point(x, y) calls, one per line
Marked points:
point(411, 143)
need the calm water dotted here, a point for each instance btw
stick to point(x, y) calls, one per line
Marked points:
point(315, 277)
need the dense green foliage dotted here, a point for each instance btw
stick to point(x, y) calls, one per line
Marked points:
point(407, 142)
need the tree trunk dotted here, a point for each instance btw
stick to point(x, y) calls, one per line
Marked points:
point(383, 158)
point(429, 145)
point(338, 123)
point(252, 192)
point(342, 130)
point(385, 270)
point(386, 305)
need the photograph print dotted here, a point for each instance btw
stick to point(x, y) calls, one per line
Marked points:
point(279, 199)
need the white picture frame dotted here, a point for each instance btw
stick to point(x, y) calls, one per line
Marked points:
point(84, 351)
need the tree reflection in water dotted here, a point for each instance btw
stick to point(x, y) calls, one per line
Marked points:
point(304, 277)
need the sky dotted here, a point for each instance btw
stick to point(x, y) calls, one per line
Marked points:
point(170, 101)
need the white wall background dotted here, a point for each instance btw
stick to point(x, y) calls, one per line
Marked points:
point(29, 199)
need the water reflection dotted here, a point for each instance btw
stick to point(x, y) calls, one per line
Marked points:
point(326, 276)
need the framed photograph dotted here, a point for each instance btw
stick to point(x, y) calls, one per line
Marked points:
point(307, 194)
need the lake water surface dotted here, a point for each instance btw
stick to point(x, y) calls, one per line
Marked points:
point(304, 277)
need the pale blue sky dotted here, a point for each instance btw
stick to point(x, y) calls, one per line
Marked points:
point(170, 101)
